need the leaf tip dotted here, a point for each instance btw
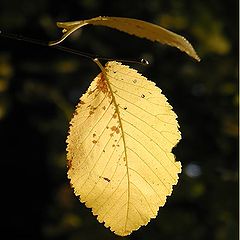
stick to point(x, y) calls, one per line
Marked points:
point(195, 56)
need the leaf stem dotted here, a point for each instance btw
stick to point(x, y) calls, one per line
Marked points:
point(68, 50)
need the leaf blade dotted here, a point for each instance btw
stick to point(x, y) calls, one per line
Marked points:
point(123, 183)
point(135, 27)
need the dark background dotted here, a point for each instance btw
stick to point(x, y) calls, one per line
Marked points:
point(39, 88)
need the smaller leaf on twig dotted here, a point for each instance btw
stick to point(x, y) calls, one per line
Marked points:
point(136, 27)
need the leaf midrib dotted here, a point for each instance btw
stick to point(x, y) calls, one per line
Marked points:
point(123, 137)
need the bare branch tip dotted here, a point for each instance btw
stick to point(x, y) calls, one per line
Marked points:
point(144, 61)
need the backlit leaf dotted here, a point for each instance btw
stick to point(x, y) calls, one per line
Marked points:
point(136, 27)
point(119, 149)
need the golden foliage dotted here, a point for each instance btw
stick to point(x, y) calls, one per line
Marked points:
point(119, 148)
point(136, 27)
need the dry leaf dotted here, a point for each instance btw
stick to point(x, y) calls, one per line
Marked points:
point(132, 26)
point(119, 149)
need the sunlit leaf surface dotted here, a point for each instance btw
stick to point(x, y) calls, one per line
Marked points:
point(136, 27)
point(119, 149)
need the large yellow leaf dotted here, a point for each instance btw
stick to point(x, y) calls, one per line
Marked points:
point(132, 26)
point(119, 149)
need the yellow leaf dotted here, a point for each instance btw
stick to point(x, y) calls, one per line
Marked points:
point(136, 27)
point(119, 148)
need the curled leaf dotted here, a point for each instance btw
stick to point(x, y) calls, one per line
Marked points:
point(136, 27)
point(119, 149)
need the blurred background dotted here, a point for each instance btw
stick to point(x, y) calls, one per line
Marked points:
point(40, 86)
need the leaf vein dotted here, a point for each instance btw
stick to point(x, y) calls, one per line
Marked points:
point(105, 167)
point(153, 140)
point(112, 177)
point(140, 191)
point(78, 165)
point(144, 110)
point(149, 168)
point(112, 193)
point(145, 99)
point(98, 160)
point(149, 126)
point(150, 154)
point(145, 179)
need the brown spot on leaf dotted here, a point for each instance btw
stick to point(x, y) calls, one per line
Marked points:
point(135, 81)
point(125, 108)
point(115, 115)
point(102, 84)
point(94, 135)
point(115, 129)
point(94, 141)
point(106, 179)
point(93, 108)
point(82, 102)
point(142, 96)
point(104, 107)
point(90, 92)
point(69, 163)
